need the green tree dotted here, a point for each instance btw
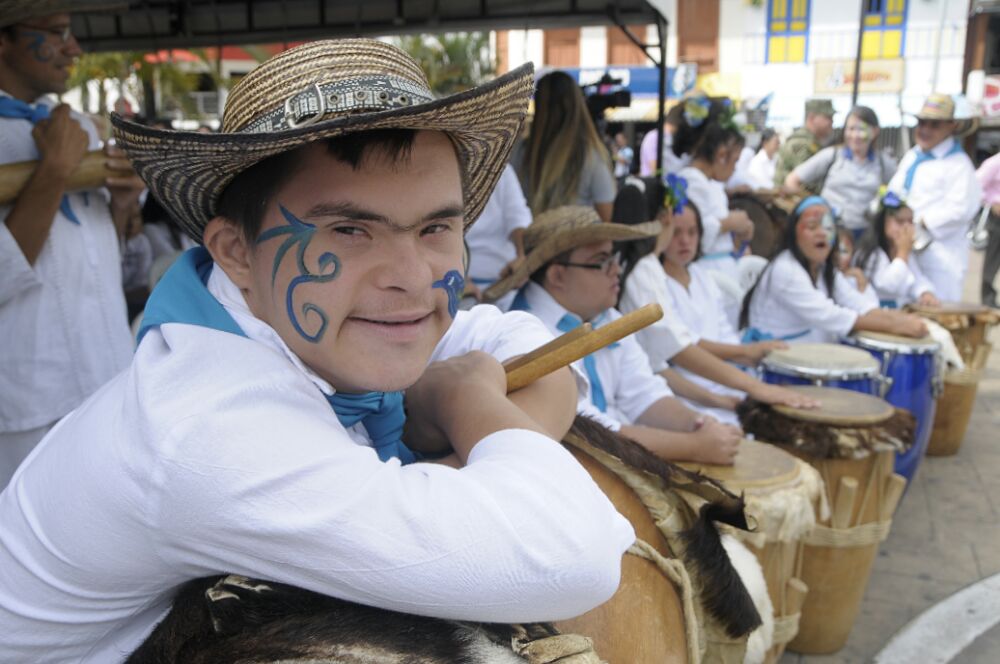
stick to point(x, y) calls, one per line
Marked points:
point(453, 61)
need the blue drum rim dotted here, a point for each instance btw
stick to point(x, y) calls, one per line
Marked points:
point(867, 343)
point(856, 373)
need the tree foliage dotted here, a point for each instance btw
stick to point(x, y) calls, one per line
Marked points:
point(452, 61)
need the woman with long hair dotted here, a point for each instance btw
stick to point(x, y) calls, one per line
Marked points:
point(885, 255)
point(802, 296)
point(563, 161)
point(848, 175)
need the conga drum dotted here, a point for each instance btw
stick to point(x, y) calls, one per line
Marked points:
point(829, 365)
point(969, 325)
point(690, 604)
point(783, 495)
point(913, 372)
point(851, 440)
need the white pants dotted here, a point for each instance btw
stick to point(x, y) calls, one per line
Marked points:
point(15, 446)
point(945, 269)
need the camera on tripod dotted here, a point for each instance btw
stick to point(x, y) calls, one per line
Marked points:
point(607, 92)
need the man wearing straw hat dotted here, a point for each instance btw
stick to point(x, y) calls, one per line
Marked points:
point(938, 180)
point(259, 428)
point(574, 278)
point(61, 303)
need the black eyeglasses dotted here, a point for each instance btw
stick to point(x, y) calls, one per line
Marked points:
point(64, 33)
point(606, 266)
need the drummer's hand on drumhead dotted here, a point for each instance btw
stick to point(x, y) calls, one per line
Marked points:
point(757, 351)
point(911, 325)
point(928, 299)
point(774, 394)
point(717, 443)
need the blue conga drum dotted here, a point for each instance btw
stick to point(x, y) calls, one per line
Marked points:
point(823, 365)
point(913, 374)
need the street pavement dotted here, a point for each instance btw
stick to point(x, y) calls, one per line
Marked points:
point(945, 534)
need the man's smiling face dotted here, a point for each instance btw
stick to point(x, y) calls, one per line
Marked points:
point(358, 270)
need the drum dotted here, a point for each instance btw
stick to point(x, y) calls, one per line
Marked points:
point(675, 514)
point(913, 373)
point(829, 365)
point(768, 221)
point(857, 471)
point(783, 495)
point(644, 621)
point(969, 325)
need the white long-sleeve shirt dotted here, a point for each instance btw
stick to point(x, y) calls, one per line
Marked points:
point(490, 246)
point(787, 303)
point(944, 194)
point(64, 317)
point(896, 280)
point(630, 387)
point(216, 453)
point(666, 337)
point(713, 204)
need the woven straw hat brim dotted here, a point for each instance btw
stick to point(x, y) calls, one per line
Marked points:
point(187, 171)
point(564, 241)
point(15, 11)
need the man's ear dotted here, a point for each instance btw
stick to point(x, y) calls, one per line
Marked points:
point(230, 250)
point(555, 277)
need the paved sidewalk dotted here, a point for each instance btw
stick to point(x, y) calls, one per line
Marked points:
point(945, 535)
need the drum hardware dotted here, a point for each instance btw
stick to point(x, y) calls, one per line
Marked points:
point(922, 238)
point(978, 234)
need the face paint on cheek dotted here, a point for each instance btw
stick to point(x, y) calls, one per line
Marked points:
point(301, 233)
point(865, 132)
point(829, 227)
point(453, 283)
point(41, 51)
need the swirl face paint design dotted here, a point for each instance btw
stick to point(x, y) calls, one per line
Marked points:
point(453, 283)
point(41, 51)
point(301, 233)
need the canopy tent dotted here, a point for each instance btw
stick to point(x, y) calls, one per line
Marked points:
point(156, 25)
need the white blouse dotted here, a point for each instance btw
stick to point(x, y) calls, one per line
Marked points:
point(896, 280)
point(668, 336)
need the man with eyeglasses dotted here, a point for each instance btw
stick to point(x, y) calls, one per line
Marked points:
point(62, 308)
point(574, 278)
point(938, 181)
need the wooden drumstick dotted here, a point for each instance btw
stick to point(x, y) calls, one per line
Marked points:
point(550, 347)
point(795, 595)
point(843, 508)
point(89, 174)
point(566, 353)
point(893, 492)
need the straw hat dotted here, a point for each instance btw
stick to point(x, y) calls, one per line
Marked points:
point(15, 11)
point(562, 229)
point(942, 107)
point(321, 90)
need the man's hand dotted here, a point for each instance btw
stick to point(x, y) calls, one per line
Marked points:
point(717, 443)
point(451, 396)
point(775, 394)
point(61, 142)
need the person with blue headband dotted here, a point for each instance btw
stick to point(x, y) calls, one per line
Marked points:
point(299, 372)
point(802, 296)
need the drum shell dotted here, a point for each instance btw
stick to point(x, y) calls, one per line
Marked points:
point(953, 413)
point(788, 376)
point(912, 372)
point(643, 622)
point(838, 576)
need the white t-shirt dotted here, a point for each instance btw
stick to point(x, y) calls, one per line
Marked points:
point(760, 170)
point(896, 280)
point(630, 387)
point(64, 317)
point(490, 246)
point(787, 303)
point(216, 453)
point(666, 337)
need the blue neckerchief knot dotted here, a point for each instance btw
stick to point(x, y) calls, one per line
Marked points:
point(382, 415)
point(923, 157)
point(568, 323)
point(34, 113)
point(182, 296)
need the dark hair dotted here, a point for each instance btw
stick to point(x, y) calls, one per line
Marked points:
point(706, 138)
point(767, 135)
point(874, 238)
point(538, 276)
point(245, 199)
point(701, 229)
point(788, 242)
point(633, 206)
point(864, 114)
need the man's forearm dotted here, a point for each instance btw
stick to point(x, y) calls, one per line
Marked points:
point(30, 220)
point(550, 401)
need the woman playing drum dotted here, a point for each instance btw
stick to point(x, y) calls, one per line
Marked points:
point(801, 296)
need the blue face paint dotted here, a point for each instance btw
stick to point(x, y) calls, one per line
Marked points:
point(453, 284)
point(39, 49)
point(301, 233)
